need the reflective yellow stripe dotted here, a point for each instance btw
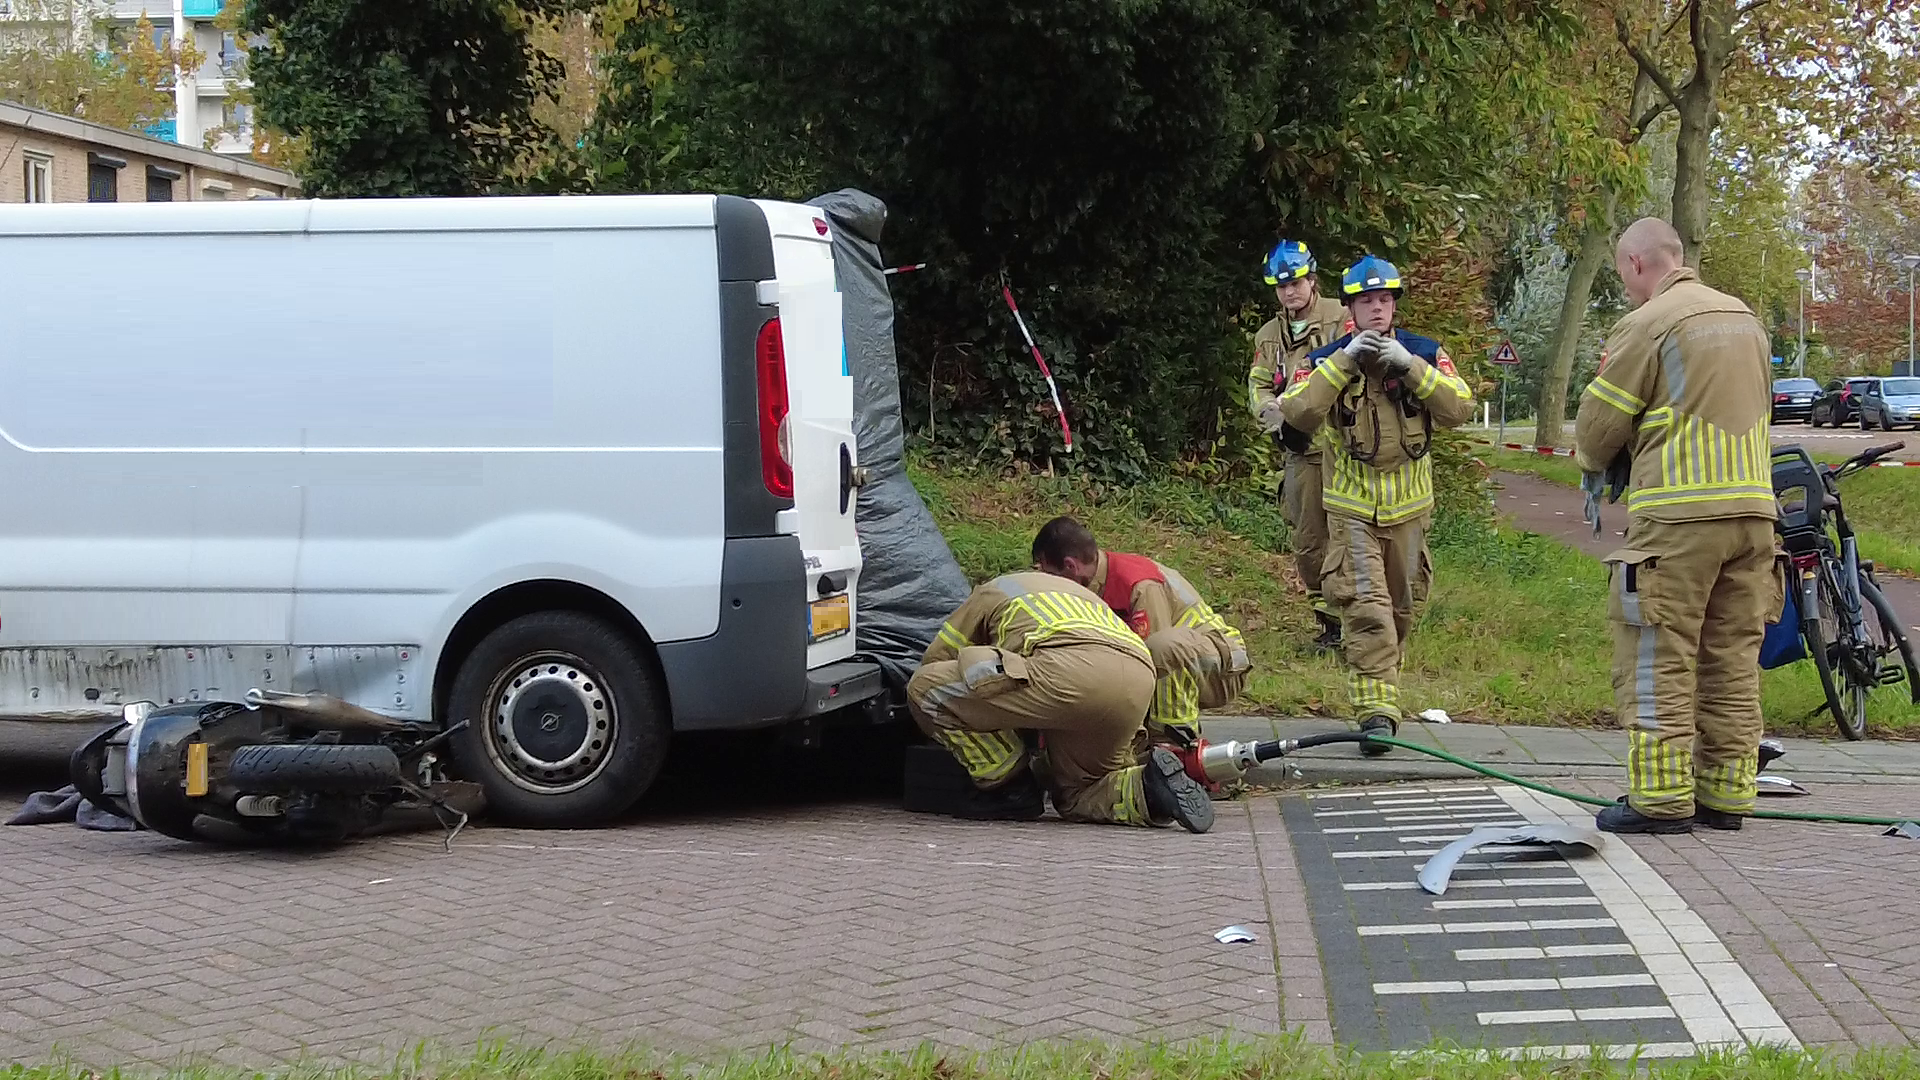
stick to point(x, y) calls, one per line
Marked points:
point(1056, 613)
point(1729, 786)
point(1176, 700)
point(1657, 770)
point(1324, 370)
point(951, 637)
point(1697, 493)
point(1428, 381)
point(990, 756)
point(1616, 397)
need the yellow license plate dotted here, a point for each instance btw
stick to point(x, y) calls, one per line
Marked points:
point(830, 618)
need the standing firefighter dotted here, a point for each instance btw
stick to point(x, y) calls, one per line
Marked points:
point(1686, 391)
point(1038, 652)
point(1199, 660)
point(1306, 322)
point(1380, 392)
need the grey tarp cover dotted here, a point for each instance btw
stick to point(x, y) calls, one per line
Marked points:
point(909, 581)
point(68, 805)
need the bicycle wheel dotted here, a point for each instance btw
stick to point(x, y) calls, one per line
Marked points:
point(1890, 643)
point(1819, 628)
point(1846, 665)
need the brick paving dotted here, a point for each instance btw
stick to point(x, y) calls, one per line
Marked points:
point(1825, 917)
point(851, 925)
point(840, 922)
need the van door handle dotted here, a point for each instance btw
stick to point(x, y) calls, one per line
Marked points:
point(847, 479)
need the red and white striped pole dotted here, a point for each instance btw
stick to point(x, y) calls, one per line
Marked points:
point(1065, 431)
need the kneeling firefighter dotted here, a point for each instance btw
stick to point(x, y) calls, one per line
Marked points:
point(1384, 391)
point(1199, 660)
point(1036, 652)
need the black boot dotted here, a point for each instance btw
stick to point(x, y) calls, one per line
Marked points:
point(1621, 817)
point(1382, 723)
point(1171, 793)
point(1716, 819)
point(1329, 638)
point(1019, 799)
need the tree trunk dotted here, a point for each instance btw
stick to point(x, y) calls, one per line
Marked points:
point(1596, 241)
point(1711, 24)
point(1690, 166)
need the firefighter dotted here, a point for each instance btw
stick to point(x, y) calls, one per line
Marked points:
point(1684, 389)
point(1374, 398)
point(1038, 652)
point(1199, 660)
point(1307, 321)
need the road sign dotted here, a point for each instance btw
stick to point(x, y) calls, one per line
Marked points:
point(1505, 354)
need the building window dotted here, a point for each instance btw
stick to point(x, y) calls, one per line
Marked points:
point(39, 177)
point(160, 183)
point(103, 183)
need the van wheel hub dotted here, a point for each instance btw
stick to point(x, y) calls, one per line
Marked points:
point(553, 723)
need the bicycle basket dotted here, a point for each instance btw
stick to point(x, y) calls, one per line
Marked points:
point(1783, 644)
point(1801, 492)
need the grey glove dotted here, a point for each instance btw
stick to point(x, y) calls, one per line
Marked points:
point(1591, 485)
point(1364, 346)
point(1269, 418)
point(1395, 360)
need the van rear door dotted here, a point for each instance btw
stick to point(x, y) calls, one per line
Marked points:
point(821, 436)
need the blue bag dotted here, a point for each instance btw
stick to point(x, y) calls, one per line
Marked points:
point(1783, 644)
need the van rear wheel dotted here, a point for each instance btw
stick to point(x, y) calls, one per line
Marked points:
point(566, 723)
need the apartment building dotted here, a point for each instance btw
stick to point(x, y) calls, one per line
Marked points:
point(46, 157)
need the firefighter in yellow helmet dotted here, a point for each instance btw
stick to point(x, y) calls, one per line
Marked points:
point(1375, 397)
point(1307, 321)
point(1685, 390)
point(1036, 652)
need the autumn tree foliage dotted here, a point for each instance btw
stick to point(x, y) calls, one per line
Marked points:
point(1861, 225)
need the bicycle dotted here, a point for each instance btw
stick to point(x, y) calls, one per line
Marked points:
point(1837, 589)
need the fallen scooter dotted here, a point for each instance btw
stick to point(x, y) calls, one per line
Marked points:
point(275, 769)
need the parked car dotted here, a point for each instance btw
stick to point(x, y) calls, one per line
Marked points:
point(1889, 402)
point(1793, 398)
point(1839, 402)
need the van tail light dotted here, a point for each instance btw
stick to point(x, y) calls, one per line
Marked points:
point(776, 456)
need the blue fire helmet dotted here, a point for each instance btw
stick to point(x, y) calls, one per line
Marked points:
point(1289, 261)
point(1370, 274)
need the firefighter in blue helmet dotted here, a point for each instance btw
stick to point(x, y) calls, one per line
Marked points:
point(1373, 399)
point(1307, 321)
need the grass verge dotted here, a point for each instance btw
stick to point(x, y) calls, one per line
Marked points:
point(1514, 632)
point(1286, 1057)
point(1884, 504)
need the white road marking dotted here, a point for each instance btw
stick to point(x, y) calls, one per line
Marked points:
point(1512, 986)
point(1508, 926)
point(1502, 883)
point(1710, 992)
point(1535, 952)
point(1568, 1016)
point(1516, 902)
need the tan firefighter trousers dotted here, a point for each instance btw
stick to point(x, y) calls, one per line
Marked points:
point(1378, 576)
point(1308, 517)
point(1087, 700)
point(1690, 603)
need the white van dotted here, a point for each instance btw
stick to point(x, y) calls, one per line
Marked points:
point(577, 470)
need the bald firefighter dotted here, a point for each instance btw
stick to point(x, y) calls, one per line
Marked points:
point(1199, 660)
point(1306, 322)
point(1685, 389)
point(1036, 652)
point(1375, 397)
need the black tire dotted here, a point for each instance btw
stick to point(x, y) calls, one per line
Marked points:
point(567, 728)
point(1886, 421)
point(329, 768)
point(1836, 661)
point(1864, 426)
point(1889, 635)
point(1818, 637)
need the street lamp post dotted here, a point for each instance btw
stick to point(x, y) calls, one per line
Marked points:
point(1910, 262)
point(1805, 275)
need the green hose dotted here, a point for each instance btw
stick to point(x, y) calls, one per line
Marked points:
point(1778, 815)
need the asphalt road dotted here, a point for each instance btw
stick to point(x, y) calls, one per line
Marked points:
point(1846, 440)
